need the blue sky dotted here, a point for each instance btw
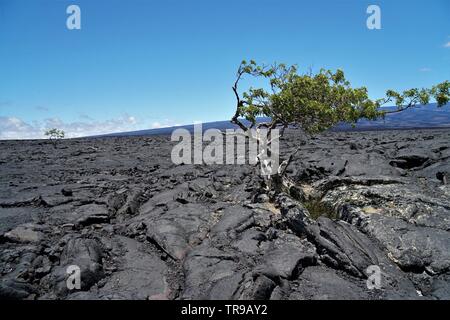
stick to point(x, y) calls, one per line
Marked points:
point(138, 64)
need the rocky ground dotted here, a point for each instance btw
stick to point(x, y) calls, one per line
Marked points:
point(140, 227)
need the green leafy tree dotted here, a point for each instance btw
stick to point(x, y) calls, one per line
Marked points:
point(314, 103)
point(54, 135)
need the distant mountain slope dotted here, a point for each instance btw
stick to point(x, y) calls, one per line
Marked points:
point(420, 117)
point(221, 125)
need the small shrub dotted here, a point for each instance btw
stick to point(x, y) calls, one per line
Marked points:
point(54, 135)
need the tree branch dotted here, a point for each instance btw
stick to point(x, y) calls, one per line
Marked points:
point(411, 104)
point(239, 103)
point(284, 165)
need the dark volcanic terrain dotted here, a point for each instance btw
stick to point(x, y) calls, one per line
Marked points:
point(140, 227)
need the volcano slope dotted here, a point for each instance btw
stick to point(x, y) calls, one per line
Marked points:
point(139, 227)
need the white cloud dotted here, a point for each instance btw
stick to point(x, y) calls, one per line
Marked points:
point(132, 120)
point(424, 69)
point(15, 128)
point(447, 45)
point(167, 123)
point(155, 125)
